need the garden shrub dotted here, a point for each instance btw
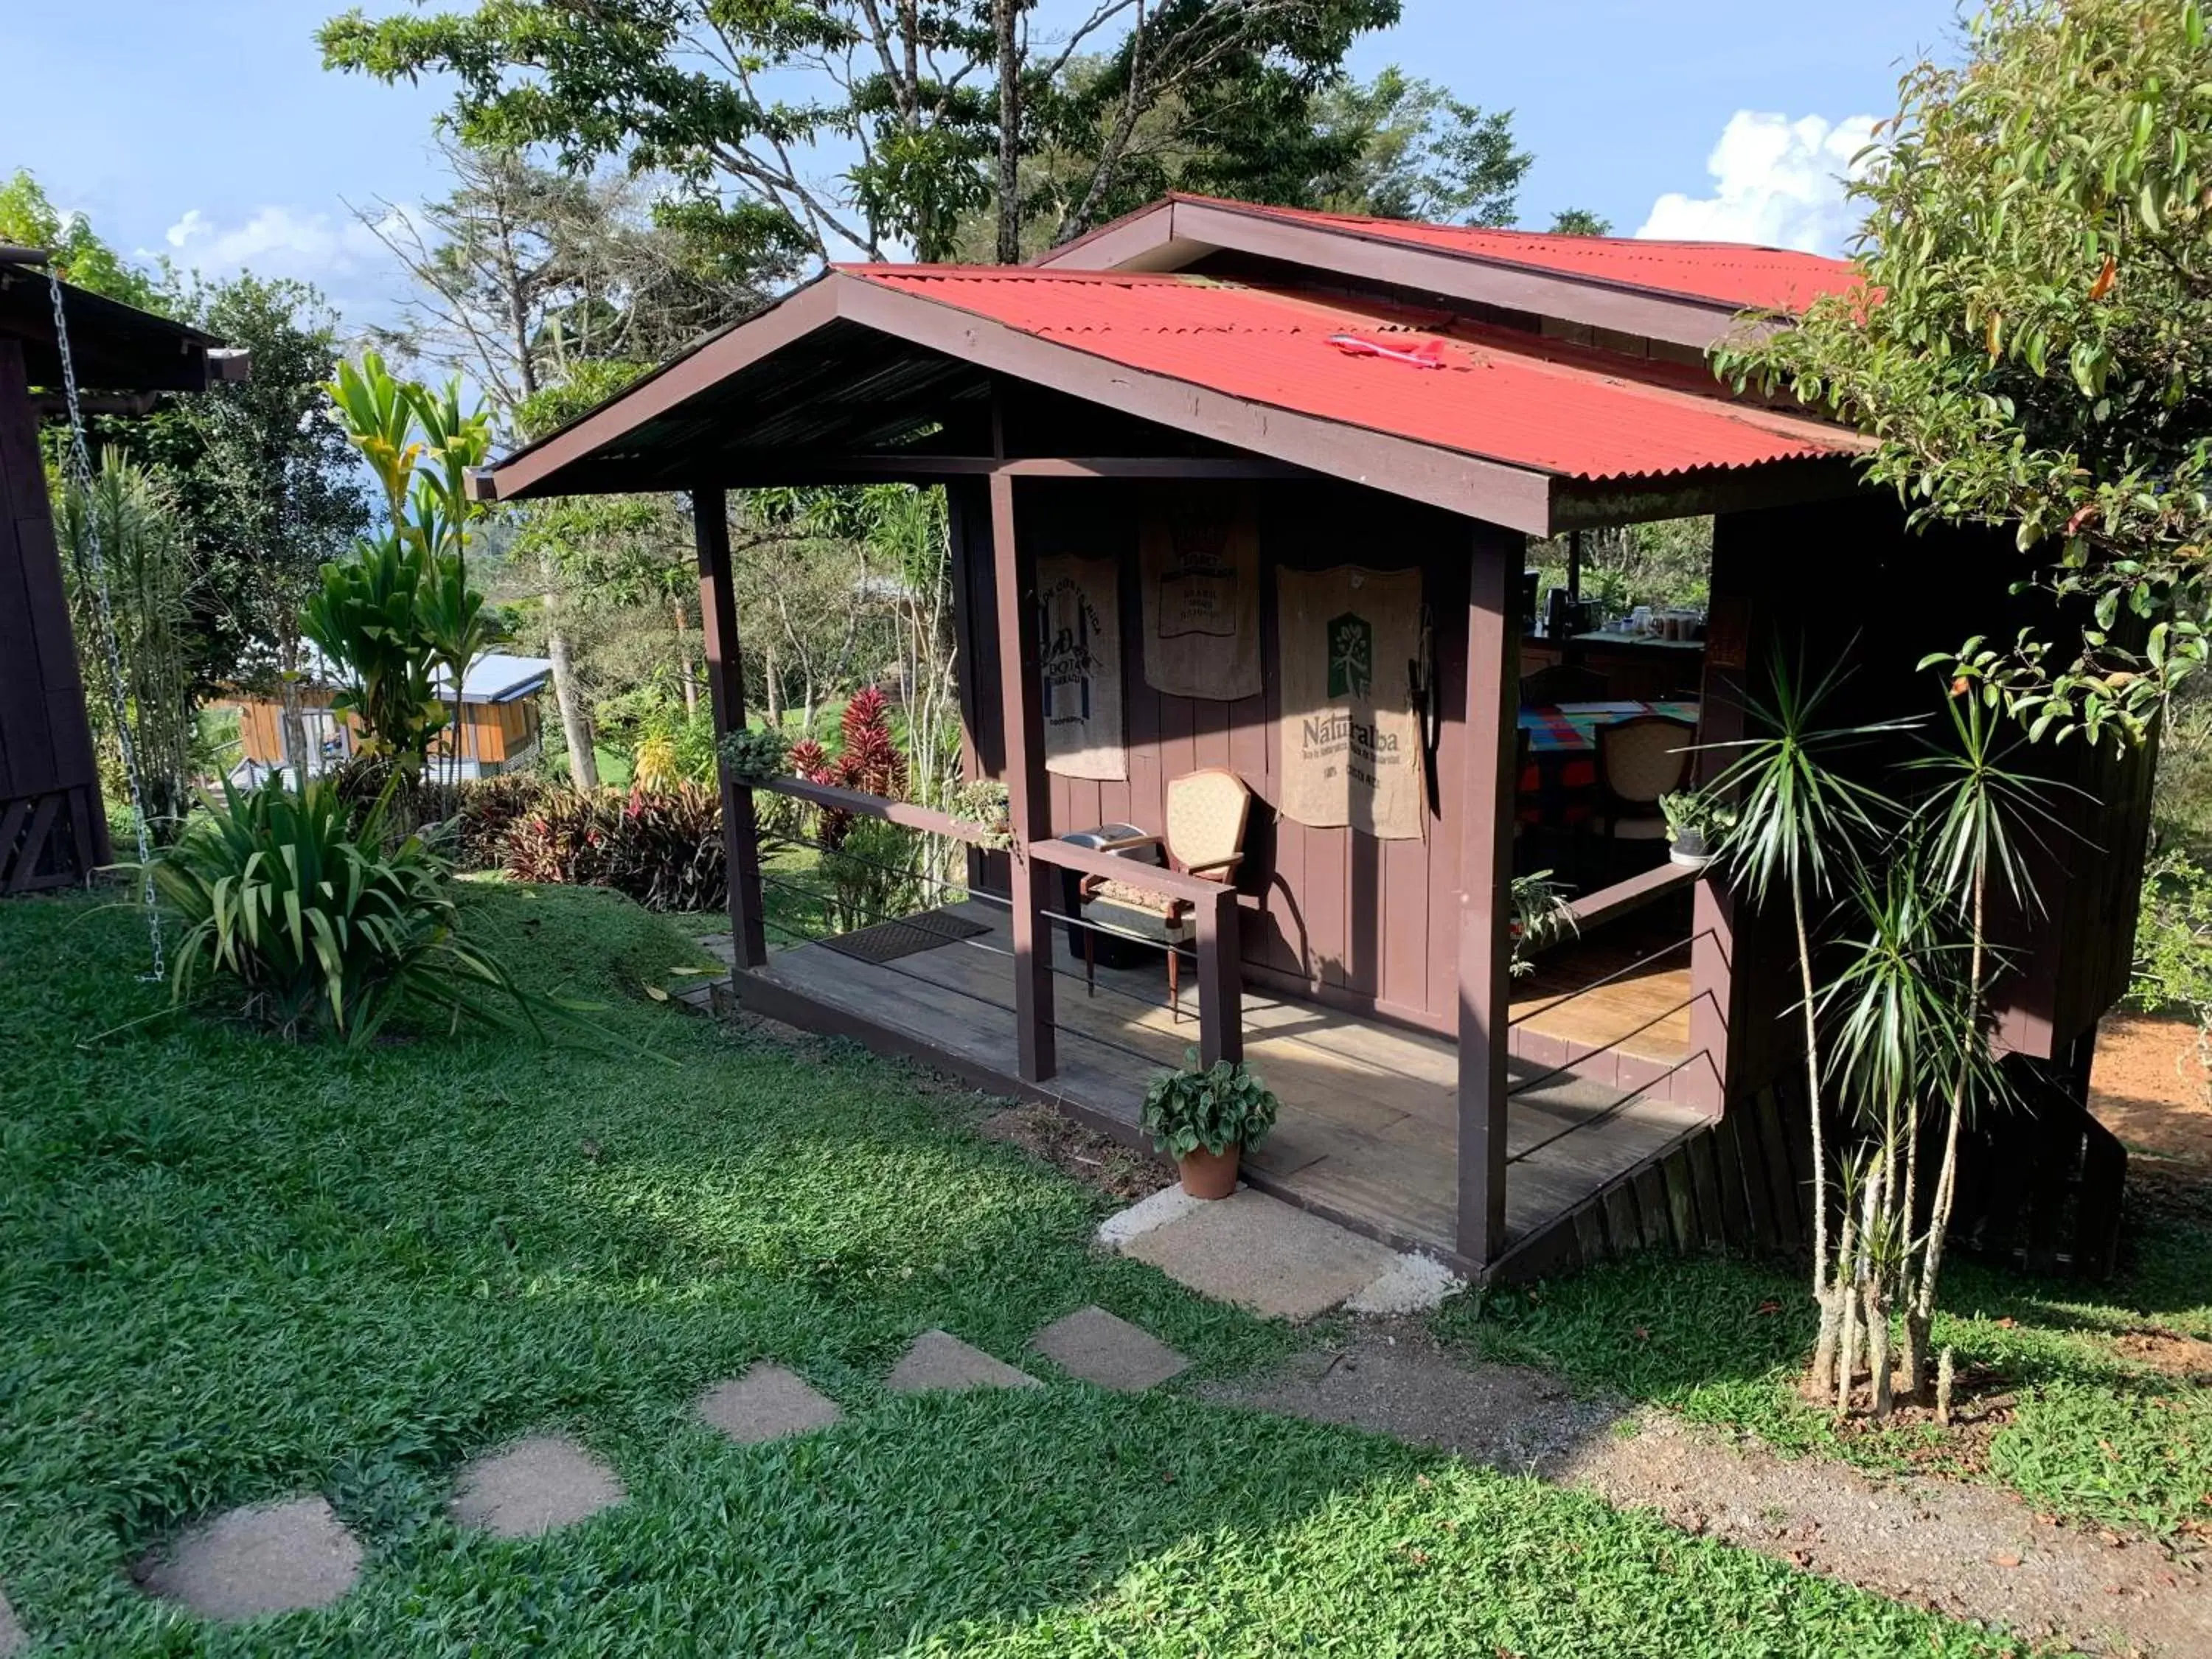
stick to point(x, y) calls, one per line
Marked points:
point(662, 848)
point(317, 922)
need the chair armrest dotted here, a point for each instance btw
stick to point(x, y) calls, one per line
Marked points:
point(1207, 869)
point(1127, 842)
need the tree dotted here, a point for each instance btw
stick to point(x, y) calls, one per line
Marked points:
point(266, 486)
point(1418, 153)
point(1580, 221)
point(29, 219)
point(2032, 345)
point(553, 292)
point(941, 99)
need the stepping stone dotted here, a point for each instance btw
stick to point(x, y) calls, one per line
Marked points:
point(1262, 1254)
point(1098, 1347)
point(532, 1487)
point(269, 1557)
point(939, 1360)
point(13, 1639)
point(767, 1403)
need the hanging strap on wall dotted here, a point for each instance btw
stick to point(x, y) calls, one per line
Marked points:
point(76, 474)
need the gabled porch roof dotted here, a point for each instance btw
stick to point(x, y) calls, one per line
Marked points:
point(888, 364)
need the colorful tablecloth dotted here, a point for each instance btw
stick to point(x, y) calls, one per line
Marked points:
point(1560, 784)
point(1571, 727)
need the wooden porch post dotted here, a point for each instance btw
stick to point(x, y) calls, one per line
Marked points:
point(1220, 982)
point(1486, 872)
point(725, 683)
point(1020, 695)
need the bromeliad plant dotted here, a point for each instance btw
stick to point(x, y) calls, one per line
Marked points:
point(322, 926)
point(1541, 916)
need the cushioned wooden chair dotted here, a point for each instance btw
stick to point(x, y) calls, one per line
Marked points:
point(1207, 812)
point(1638, 761)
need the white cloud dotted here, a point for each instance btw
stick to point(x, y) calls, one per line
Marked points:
point(1778, 182)
point(276, 241)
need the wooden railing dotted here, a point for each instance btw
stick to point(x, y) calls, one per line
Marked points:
point(1212, 905)
point(1213, 911)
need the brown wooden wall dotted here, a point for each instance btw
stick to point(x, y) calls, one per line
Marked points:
point(1364, 923)
point(1847, 583)
point(52, 828)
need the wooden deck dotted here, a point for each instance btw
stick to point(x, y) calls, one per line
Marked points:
point(1368, 1133)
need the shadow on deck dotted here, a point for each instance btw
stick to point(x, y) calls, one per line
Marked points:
point(1368, 1134)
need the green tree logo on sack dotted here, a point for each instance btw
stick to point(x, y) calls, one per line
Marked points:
point(1350, 656)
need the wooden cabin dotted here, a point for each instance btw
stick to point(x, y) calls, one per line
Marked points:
point(53, 827)
point(499, 728)
point(1245, 492)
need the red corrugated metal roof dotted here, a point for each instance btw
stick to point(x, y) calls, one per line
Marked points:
point(1734, 274)
point(1522, 401)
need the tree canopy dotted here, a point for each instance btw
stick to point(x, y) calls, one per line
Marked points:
point(822, 127)
point(2033, 344)
point(29, 218)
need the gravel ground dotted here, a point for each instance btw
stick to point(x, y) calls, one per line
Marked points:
point(1973, 1552)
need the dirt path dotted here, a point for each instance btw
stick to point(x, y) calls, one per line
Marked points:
point(1972, 1552)
point(2149, 1087)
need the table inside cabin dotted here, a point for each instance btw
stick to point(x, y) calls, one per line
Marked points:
point(1558, 787)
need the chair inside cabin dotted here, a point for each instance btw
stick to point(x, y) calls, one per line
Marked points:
point(1638, 761)
point(1562, 681)
point(1206, 812)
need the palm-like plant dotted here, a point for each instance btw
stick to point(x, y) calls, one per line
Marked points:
point(379, 417)
point(317, 922)
point(1797, 817)
point(367, 619)
point(1979, 820)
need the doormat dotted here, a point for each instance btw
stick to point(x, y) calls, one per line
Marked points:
point(888, 940)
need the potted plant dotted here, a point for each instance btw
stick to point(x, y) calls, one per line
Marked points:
point(1203, 1116)
point(755, 756)
point(1696, 823)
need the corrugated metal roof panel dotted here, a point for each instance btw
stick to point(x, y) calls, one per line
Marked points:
point(1524, 407)
point(1734, 274)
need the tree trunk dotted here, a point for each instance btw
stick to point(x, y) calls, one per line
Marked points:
point(295, 725)
point(1877, 1326)
point(1824, 1294)
point(1009, 135)
point(683, 667)
point(772, 689)
point(576, 725)
point(1920, 1312)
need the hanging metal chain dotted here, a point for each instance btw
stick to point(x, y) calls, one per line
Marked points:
point(76, 472)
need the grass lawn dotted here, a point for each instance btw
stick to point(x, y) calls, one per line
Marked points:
point(232, 1269)
point(2093, 1423)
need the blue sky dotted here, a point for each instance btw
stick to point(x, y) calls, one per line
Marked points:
point(210, 131)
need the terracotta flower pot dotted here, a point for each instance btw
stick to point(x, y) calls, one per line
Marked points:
point(1209, 1175)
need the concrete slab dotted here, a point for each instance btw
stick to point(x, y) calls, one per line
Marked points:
point(1101, 1348)
point(940, 1361)
point(13, 1639)
point(534, 1486)
point(1264, 1254)
point(268, 1558)
point(768, 1402)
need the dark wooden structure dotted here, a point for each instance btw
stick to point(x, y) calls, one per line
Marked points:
point(54, 831)
point(1406, 398)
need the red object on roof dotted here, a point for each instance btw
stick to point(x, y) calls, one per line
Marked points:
point(1735, 274)
point(1504, 396)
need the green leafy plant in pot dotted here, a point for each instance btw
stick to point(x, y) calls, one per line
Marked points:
point(1203, 1116)
point(1697, 822)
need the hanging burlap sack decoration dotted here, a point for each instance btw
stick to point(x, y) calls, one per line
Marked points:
point(1080, 658)
point(1200, 559)
point(1351, 741)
